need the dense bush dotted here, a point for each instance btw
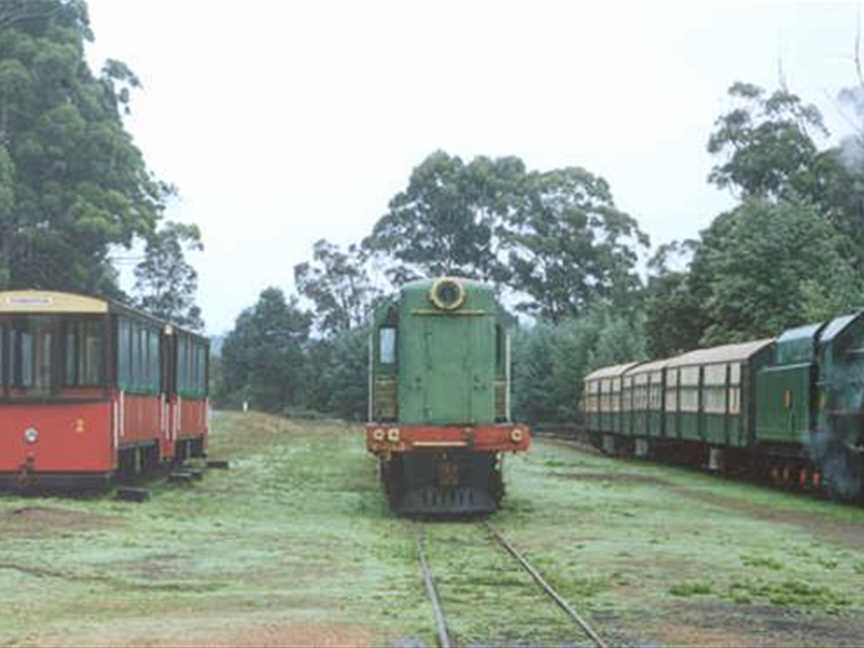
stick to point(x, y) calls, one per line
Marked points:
point(550, 361)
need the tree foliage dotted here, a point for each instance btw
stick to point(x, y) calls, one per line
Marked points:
point(263, 356)
point(754, 267)
point(339, 286)
point(450, 219)
point(674, 317)
point(72, 183)
point(165, 282)
point(555, 237)
point(570, 246)
point(551, 360)
point(769, 147)
point(346, 374)
point(768, 144)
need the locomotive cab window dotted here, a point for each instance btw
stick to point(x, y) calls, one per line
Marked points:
point(387, 345)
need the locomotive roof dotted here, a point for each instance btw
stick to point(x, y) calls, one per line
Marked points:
point(610, 372)
point(426, 284)
point(51, 302)
point(836, 326)
point(725, 353)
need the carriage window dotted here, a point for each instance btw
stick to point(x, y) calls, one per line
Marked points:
point(83, 355)
point(43, 355)
point(123, 359)
point(138, 357)
point(32, 360)
point(25, 354)
point(387, 345)
point(155, 378)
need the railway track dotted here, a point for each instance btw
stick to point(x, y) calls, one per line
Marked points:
point(494, 538)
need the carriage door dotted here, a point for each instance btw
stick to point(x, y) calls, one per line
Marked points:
point(168, 357)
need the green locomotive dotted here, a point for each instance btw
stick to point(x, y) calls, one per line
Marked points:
point(439, 397)
point(791, 407)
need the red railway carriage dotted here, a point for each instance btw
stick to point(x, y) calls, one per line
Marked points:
point(90, 388)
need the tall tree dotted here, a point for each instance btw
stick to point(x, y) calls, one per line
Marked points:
point(769, 147)
point(570, 246)
point(263, 358)
point(346, 373)
point(73, 183)
point(165, 282)
point(764, 267)
point(450, 219)
point(674, 316)
point(550, 361)
point(767, 141)
point(339, 285)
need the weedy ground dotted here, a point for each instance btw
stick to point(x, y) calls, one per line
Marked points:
point(294, 545)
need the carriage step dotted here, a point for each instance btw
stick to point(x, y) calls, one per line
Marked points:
point(133, 494)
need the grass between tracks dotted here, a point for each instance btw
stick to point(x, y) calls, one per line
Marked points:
point(294, 545)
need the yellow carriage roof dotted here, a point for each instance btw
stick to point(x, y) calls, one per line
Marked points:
point(47, 301)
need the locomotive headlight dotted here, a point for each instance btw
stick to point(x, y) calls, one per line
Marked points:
point(516, 435)
point(447, 293)
point(393, 435)
point(378, 434)
point(31, 434)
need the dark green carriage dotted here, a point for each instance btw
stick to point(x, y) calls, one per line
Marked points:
point(605, 401)
point(791, 408)
point(647, 382)
point(715, 393)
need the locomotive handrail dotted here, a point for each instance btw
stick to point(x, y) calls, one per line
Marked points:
point(459, 313)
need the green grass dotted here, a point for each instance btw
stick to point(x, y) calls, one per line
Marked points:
point(691, 588)
point(296, 540)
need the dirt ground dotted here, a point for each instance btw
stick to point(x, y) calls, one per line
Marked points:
point(294, 546)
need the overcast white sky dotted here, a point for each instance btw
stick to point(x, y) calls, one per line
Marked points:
point(285, 122)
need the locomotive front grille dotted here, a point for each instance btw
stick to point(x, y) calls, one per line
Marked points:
point(464, 499)
point(386, 398)
point(501, 400)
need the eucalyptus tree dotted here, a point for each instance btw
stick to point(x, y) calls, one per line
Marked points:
point(263, 357)
point(771, 147)
point(450, 219)
point(675, 319)
point(570, 246)
point(339, 284)
point(764, 267)
point(165, 282)
point(72, 182)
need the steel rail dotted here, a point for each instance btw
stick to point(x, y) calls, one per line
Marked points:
point(547, 587)
point(440, 621)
